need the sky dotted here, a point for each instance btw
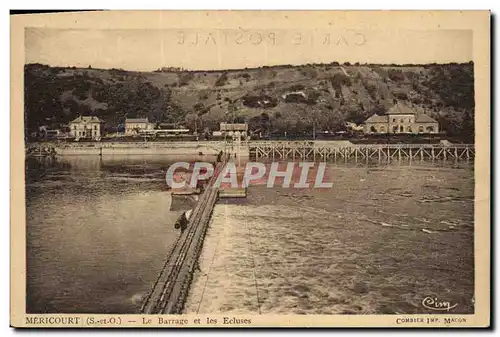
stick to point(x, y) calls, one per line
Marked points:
point(204, 49)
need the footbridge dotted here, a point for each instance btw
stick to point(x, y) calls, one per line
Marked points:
point(327, 150)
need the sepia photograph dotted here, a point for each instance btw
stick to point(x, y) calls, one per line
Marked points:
point(212, 174)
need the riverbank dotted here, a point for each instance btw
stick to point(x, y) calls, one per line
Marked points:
point(129, 148)
point(321, 150)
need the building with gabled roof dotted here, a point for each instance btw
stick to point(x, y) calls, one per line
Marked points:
point(401, 119)
point(377, 119)
point(234, 130)
point(86, 127)
point(134, 125)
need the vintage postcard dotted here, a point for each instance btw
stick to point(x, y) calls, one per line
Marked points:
point(250, 169)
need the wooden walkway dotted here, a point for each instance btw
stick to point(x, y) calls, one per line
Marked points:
point(170, 290)
point(325, 150)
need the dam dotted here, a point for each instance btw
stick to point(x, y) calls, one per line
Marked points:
point(169, 293)
point(257, 149)
point(327, 150)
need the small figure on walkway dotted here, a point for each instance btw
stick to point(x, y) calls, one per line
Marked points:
point(183, 226)
point(181, 223)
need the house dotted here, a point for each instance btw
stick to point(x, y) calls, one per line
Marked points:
point(234, 129)
point(401, 119)
point(45, 132)
point(134, 125)
point(53, 133)
point(86, 127)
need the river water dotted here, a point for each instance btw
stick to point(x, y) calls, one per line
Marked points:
point(98, 230)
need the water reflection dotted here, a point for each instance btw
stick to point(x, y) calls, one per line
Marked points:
point(98, 230)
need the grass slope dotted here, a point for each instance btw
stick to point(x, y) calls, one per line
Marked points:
point(271, 99)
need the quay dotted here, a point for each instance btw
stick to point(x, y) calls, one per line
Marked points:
point(96, 148)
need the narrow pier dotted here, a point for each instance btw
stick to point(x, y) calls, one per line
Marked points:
point(170, 290)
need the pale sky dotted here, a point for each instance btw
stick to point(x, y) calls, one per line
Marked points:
point(149, 49)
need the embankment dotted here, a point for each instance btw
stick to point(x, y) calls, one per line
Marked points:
point(133, 148)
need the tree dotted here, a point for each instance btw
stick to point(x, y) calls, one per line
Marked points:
point(193, 122)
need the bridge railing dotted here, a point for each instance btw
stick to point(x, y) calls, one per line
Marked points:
point(323, 144)
point(414, 146)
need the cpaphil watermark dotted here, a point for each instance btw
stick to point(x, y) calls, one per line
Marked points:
point(285, 174)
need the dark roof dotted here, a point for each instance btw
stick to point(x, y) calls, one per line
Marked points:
point(423, 118)
point(377, 119)
point(87, 119)
point(420, 118)
point(136, 120)
point(233, 127)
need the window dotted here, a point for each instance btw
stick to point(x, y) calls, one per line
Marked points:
point(372, 129)
point(430, 129)
point(401, 128)
point(382, 129)
point(421, 129)
point(401, 120)
point(95, 127)
point(394, 120)
point(409, 129)
point(395, 129)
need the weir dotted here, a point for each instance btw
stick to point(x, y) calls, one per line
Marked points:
point(327, 150)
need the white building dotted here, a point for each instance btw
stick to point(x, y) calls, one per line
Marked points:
point(86, 127)
point(134, 125)
point(401, 119)
point(234, 129)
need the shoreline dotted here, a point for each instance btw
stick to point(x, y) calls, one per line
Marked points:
point(128, 148)
point(281, 149)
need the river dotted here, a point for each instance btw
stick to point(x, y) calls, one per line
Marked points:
point(98, 230)
point(384, 239)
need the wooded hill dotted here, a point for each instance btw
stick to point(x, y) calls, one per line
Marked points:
point(271, 99)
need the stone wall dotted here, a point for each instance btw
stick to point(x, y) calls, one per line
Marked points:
point(138, 148)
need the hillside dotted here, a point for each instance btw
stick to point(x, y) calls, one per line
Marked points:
point(270, 99)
